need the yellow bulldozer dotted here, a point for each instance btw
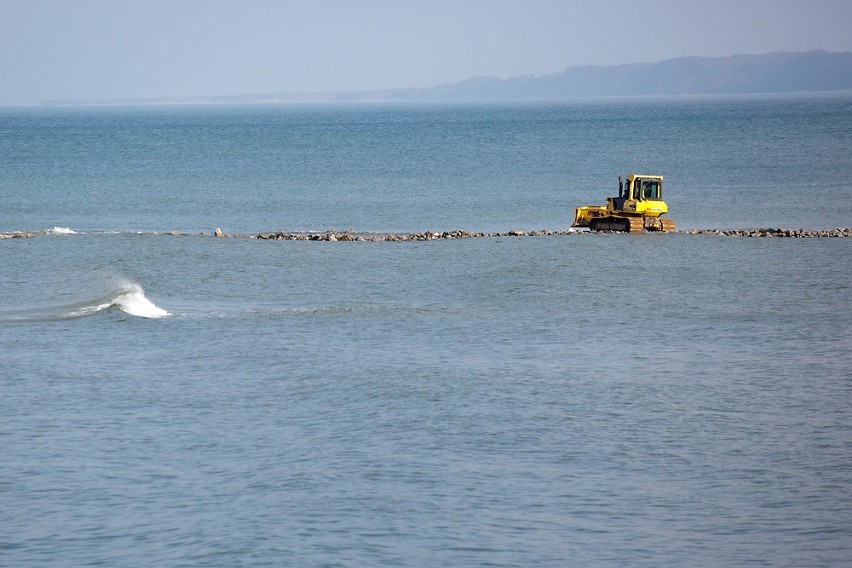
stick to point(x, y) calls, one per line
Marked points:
point(639, 206)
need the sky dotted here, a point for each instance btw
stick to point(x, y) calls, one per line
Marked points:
point(120, 49)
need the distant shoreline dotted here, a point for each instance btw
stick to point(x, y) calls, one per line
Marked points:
point(772, 73)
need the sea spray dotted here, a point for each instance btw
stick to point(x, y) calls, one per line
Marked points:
point(132, 301)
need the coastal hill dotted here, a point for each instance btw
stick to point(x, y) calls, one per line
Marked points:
point(780, 72)
point(739, 74)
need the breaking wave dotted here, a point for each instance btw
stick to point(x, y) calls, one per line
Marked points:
point(61, 231)
point(128, 297)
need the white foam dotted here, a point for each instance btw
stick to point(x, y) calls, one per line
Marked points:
point(134, 303)
point(62, 231)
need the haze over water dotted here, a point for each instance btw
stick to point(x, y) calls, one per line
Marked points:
point(591, 399)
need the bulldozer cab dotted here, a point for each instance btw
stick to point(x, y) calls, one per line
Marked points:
point(645, 187)
point(635, 194)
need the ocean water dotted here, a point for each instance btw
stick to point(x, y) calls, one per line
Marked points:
point(585, 399)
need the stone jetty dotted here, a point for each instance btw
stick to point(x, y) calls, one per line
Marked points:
point(350, 235)
point(461, 234)
point(779, 232)
point(403, 237)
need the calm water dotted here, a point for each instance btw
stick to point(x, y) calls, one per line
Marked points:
point(608, 400)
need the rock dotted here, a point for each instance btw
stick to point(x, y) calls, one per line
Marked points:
point(218, 232)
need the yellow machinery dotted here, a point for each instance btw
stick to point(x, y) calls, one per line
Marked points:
point(639, 206)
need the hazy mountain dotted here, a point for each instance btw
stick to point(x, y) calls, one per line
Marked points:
point(770, 73)
point(809, 71)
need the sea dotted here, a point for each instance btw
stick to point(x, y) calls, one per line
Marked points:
point(173, 398)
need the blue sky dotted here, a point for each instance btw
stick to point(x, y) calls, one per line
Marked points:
point(104, 49)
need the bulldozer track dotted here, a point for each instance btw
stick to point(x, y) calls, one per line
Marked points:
point(668, 225)
point(618, 224)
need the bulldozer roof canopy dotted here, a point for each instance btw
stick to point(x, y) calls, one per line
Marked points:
point(632, 177)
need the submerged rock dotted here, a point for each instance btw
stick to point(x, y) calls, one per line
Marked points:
point(23, 235)
point(842, 232)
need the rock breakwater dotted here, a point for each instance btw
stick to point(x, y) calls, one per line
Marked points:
point(404, 237)
point(779, 232)
point(349, 235)
point(461, 234)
